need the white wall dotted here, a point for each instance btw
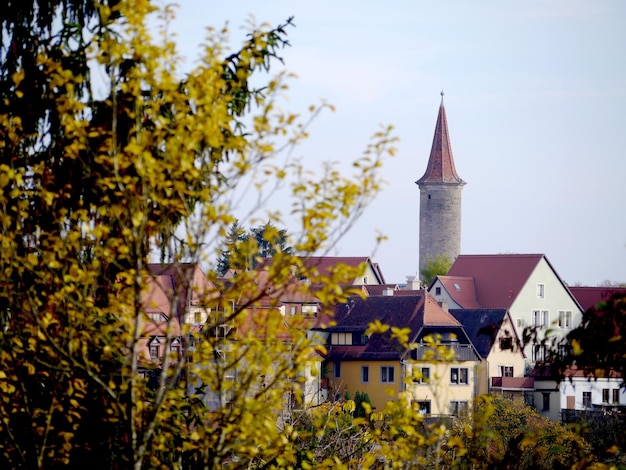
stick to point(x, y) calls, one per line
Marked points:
point(556, 298)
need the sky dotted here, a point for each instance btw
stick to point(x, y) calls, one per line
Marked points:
point(535, 97)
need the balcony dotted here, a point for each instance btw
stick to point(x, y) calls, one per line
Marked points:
point(512, 384)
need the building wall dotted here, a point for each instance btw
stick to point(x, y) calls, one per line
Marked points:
point(440, 391)
point(443, 296)
point(555, 298)
point(513, 357)
point(550, 406)
point(577, 388)
point(351, 379)
point(368, 277)
point(439, 222)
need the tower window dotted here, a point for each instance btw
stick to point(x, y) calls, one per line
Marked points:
point(429, 196)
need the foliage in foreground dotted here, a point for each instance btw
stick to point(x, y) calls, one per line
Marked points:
point(504, 433)
point(92, 182)
point(96, 176)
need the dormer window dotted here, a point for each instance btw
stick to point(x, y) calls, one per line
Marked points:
point(154, 348)
point(359, 338)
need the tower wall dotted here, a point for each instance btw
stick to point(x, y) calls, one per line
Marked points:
point(440, 221)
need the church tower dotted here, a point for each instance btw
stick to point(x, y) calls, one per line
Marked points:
point(440, 199)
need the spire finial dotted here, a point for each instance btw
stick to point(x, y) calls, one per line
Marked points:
point(441, 96)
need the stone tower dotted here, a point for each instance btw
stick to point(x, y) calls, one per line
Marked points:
point(440, 199)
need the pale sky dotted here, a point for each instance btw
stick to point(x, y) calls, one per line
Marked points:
point(535, 95)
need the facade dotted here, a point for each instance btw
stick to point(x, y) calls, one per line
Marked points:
point(177, 295)
point(525, 285)
point(577, 393)
point(440, 199)
point(382, 367)
point(493, 334)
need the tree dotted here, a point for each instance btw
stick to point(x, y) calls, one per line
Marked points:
point(597, 345)
point(504, 433)
point(263, 241)
point(92, 182)
point(435, 267)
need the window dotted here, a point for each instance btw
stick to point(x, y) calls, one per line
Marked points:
point(336, 369)
point(425, 376)
point(506, 343)
point(359, 338)
point(175, 349)
point(540, 318)
point(197, 317)
point(309, 310)
point(615, 396)
point(506, 371)
point(424, 407)
point(565, 318)
point(155, 316)
point(605, 395)
point(586, 399)
point(458, 408)
point(437, 290)
point(365, 374)
point(538, 352)
point(519, 322)
point(154, 352)
point(546, 401)
point(540, 291)
point(294, 310)
point(459, 375)
point(387, 374)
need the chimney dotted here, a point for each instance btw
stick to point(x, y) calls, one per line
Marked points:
point(412, 283)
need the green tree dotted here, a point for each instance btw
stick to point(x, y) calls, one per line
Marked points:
point(264, 241)
point(235, 237)
point(90, 184)
point(435, 267)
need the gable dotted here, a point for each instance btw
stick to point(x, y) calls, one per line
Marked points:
point(498, 279)
point(455, 291)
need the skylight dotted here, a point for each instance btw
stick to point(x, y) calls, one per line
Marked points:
point(457, 287)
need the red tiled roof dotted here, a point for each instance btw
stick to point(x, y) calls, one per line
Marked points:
point(461, 289)
point(441, 167)
point(498, 279)
point(591, 296)
point(324, 264)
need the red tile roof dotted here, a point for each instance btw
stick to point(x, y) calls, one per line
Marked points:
point(441, 167)
point(461, 289)
point(498, 279)
point(591, 296)
point(324, 264)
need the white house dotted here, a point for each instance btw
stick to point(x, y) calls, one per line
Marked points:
point(526, 285)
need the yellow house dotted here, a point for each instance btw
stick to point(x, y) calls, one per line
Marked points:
point(381, 367)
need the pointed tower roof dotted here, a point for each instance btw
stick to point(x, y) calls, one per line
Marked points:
point(441, 163)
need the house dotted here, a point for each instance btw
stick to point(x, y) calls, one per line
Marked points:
point(383, 367)
point(526, 285)
point(576, 392)
point(493, 334)
point(176, 295)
